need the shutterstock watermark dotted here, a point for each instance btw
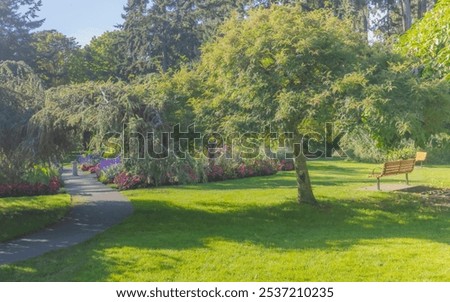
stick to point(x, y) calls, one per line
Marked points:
point(187, 141)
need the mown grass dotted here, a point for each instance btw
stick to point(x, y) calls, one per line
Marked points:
point(22, 215)
point(254, 230)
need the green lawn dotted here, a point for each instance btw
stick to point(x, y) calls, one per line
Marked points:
point(254, 230)
point(22, 215)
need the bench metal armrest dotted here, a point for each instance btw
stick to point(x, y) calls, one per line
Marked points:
point(373, 173)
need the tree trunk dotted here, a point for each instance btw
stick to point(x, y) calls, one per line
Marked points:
point(305, 193)
point(365, 23)
point(406, 14)
point(421, 8)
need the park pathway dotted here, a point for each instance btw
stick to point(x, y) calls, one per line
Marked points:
point(97, 207)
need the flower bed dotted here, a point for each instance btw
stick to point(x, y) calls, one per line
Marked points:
point(27, 189)
point(230, 169)
point(286, 165)
point(130, 175)
point(89, 168)
point(127, 181)
point(96, 164)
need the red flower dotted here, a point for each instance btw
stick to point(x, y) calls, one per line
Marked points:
point(126, 181)
point(26, 189)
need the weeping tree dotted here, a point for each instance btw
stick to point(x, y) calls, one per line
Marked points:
point(296, 71)
point(91, 111)
point(104, 115)
point(21, 96)
point(86, 113)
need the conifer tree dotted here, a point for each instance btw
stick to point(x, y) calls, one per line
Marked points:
point(136, 46)
point(17, 19)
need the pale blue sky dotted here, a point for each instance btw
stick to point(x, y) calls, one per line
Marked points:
point(82, 19)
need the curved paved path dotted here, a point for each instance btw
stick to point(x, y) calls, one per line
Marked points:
point(97, 207)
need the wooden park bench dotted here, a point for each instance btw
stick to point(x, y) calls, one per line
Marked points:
point(405, 166)
point(420, 157)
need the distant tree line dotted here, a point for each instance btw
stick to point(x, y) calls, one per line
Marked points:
point(165, 34)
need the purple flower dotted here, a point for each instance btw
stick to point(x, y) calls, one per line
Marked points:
point(108, 162)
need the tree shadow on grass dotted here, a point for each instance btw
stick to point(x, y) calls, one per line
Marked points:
point(281, 180)
point(288, 225)
point(286, 180)
point(159, 226)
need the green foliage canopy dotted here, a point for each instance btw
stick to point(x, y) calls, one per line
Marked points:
point(289, 68)
point(103, 57)
point(54, 55)
point(98, 109)
point(17, 19)
point(21, 95)
point(429, 40)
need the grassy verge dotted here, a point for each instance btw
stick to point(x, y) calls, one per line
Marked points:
point(22, 215)
point(254, 230)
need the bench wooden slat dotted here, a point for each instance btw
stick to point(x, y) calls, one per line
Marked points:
point(396, 167)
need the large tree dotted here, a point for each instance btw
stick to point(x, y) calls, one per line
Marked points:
point(172, 33)
point(167, 33)
point(18, 18)
point(136, 46)
point(293, 71)
point(103, 57)
point(54, 55)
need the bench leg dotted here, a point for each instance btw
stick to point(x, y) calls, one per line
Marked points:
point(407, 179)
point(378, 184)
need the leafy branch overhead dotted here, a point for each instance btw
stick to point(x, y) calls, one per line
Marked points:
point(429, 41)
